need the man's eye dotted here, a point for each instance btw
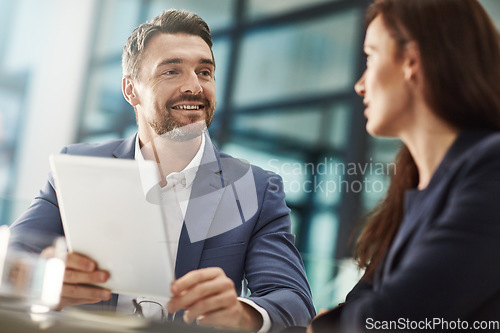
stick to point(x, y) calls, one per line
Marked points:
point(170, 72)
point(205, 73)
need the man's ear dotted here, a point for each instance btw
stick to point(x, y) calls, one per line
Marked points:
point(411, 65)
point(129, 91)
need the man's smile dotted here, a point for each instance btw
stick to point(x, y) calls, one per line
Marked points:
point(188, 107)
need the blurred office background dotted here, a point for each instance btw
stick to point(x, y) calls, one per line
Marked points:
point(285, 76)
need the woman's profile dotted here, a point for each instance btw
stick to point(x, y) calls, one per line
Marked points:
point(431, 249)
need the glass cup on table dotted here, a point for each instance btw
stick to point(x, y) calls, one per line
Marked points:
point(31, 279)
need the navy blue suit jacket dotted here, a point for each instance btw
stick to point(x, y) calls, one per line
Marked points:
point(260, 250)
point(443, 264)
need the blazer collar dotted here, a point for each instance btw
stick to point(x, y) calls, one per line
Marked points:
point(454, 156)
point(466, 139)
point(126, 149)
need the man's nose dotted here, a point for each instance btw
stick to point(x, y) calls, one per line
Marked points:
point(359, 87)
point(191, 85)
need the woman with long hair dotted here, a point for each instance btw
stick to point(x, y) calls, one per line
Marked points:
point(431, 250)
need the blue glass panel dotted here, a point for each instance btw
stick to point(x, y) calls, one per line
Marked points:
point(295, 218)
point(297, 60)
point(299, 124)
point(10, 111)
point(217, 13)
point(105, 102)
point(10, 114)
point(493, 9)
point(221, 55)
point(380, 168)
point(319, 256)
point(334, 291)
point(118, 20)
point(310, 125)
point(27, 34)
point(338, 128)
point(285, 166)
point(263, 8)
point(328, 180)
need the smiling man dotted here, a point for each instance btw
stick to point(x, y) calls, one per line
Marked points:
point(231, 229)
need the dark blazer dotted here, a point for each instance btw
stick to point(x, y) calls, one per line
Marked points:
point(443, 265)
point(259, 248)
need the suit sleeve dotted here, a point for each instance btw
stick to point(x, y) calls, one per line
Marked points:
point(273, 268)
point(451, 272)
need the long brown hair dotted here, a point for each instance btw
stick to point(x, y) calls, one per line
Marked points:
point(460, 56)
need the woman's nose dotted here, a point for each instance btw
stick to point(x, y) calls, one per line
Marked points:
point(359, 87)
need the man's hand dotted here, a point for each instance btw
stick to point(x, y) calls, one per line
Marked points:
point(208, 296)
point(81, 270)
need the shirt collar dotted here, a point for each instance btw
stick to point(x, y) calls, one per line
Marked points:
point(188, 173)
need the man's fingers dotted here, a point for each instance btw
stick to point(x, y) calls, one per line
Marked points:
point(202, 291)
point(80, 262)
point(194, 277)
point(77, 301)
point(209, 305)
point(76, 290)
point(80, 272)
point(67, 301)
point(222, 318)
point(74, 276)
point(73, 260)
point(209, 297)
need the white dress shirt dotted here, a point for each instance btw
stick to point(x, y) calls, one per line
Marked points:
point(174, 200)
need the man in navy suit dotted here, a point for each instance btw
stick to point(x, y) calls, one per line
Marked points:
point(235, 228)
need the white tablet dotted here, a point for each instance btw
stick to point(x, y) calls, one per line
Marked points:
point(106, 216)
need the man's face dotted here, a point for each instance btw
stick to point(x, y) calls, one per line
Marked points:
point(175, 86)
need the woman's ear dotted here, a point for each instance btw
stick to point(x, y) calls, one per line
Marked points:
point(411, 65)
point(129, 91)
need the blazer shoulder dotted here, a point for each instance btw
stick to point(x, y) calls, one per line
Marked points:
point(489, 146)
point(113, 148)
point(483, 153)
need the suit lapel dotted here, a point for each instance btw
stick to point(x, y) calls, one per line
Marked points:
point(126, 149)
point(453, 156)
point(407, 228)
point(207, 191)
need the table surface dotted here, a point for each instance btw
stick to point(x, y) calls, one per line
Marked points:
point(15, 321)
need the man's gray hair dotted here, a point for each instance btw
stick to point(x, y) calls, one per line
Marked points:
point(170, 21)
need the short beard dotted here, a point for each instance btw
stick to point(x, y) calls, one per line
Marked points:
point(186, 132)
point(165, 125)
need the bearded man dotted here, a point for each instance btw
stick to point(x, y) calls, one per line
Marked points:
point(168, 78)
